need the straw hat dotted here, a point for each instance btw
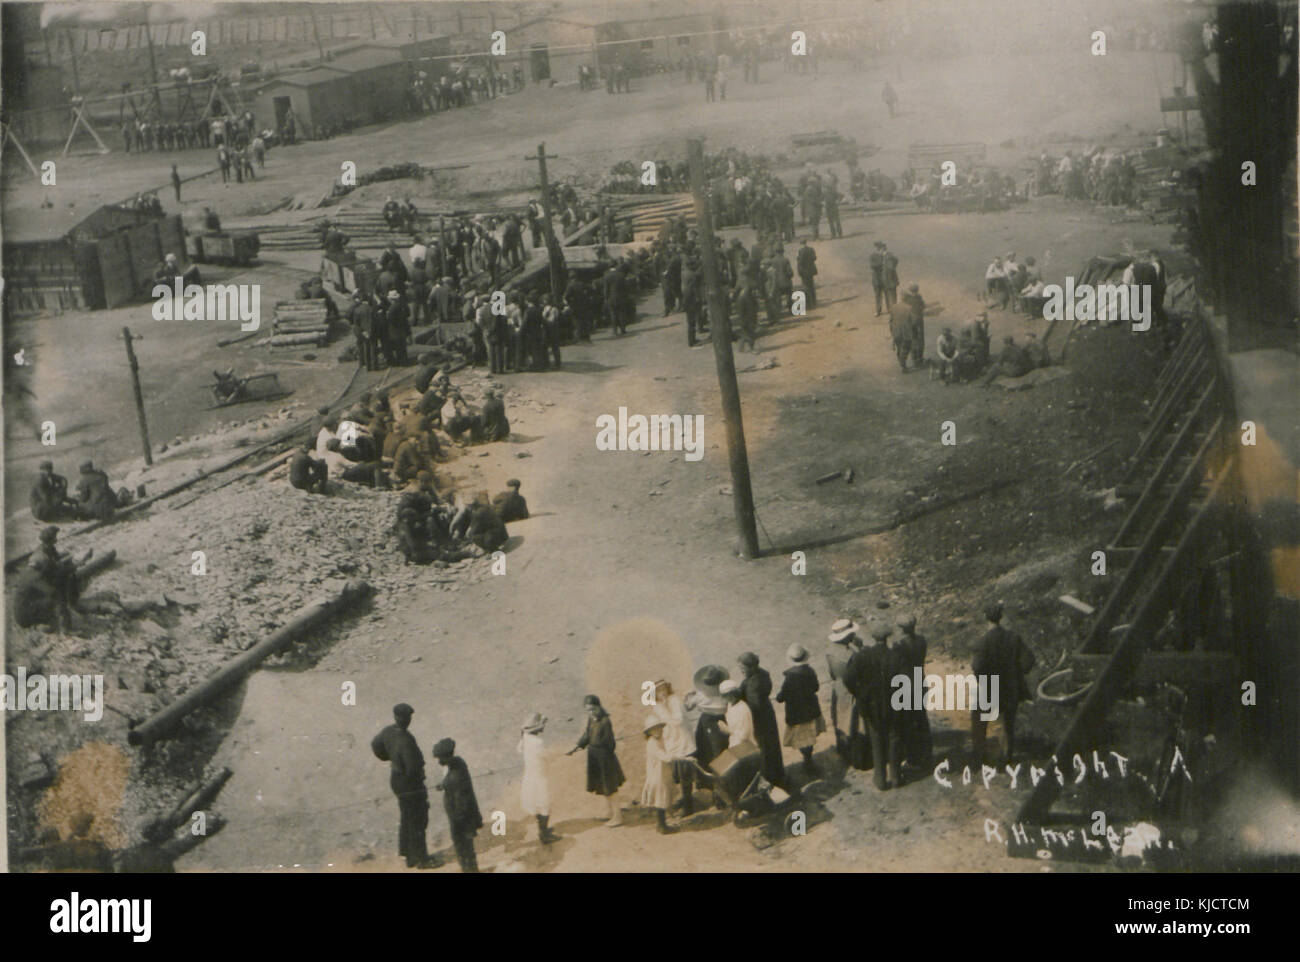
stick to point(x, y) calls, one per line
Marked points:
point(534, 723)
point(843, 629)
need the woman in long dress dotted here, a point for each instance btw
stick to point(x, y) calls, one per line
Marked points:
point(677, 739)
point(535, 793)
point(659, 790)
point(604, 774)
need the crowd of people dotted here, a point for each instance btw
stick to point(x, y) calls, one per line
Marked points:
point(723, 724)
point(1100, 175)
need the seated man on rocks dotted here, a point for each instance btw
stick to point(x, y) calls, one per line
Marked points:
point(369, 473)
point(48, 587)
point(486, 529)
point(510, 505)
point(1012, 362)
point(95, 495)
point(307, 473)
point(49, 497)
point(414, 456)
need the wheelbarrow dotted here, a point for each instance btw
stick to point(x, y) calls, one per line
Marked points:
point(736, 776)
point(228, 389)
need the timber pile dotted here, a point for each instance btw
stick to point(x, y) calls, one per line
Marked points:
point(366, 228)
point(300, 322)
point(650, 214)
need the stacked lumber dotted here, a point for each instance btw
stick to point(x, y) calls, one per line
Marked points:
point(649, 214)
point(300, 322)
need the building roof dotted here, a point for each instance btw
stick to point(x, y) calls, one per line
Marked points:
point(366, 58)
point(307, 78)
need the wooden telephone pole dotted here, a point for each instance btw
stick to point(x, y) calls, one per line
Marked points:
point(742, 493)
point(552, 247)
point(139, 397)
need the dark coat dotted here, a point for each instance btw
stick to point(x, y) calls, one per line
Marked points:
point(604, 774)
point(397, 745)
point(458, 798)
point(799, 695)
point(867, 676)
point(757, 692)
point(496, 427)
point(1004, 653)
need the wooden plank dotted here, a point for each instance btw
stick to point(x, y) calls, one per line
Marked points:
point(1121, 666)
point(1138, 571)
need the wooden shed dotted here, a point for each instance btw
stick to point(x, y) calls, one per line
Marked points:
point(105, 260)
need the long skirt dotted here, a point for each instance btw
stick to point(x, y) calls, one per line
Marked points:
point(604, 774)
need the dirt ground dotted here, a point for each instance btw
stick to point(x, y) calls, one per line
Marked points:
point(625, 573)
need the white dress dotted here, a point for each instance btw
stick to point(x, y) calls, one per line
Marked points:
point(678, 739)
point(660, 790)
point(740, 723)
point(536, 791)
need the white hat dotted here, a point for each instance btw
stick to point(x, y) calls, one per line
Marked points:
point(727, 687)
point(843, 629)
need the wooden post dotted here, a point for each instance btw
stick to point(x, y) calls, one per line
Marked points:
point(720, 334)
point(552, 248)
point(139, 397)
point(72, 49)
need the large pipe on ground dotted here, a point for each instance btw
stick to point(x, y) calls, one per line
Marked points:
point(162, 724)
point(95, 565)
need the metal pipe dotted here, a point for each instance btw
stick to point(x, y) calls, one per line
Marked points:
point(162, 724)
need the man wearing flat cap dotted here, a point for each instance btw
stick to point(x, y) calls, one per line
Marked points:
point(463, 817)
point(396, 745)
point(867, 676)
point(510, 504)
point(49, 494)
point(1002, 653)
point(95, 493)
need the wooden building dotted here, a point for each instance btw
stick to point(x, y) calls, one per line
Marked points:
point(106, 260)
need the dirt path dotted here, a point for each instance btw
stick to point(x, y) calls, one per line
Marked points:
point(624, 574)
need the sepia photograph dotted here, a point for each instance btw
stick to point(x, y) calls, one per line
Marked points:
point(651, 436)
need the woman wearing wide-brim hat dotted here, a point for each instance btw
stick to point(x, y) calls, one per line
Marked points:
point(535, 793)
point(604, 774)
point(803, 711)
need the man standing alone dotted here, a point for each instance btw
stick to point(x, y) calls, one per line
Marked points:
point(396, 745)
point(463, 817)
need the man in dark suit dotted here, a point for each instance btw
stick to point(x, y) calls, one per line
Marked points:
point(889, 275)
point(806, 261)
point(612, 289)
point(396, 745)
point(917, 741)
point(867, 677)
point(1004, 654)
point(463, 816)
point(877, 263)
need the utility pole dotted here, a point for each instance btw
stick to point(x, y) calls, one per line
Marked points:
point(742, 494)
point(139, 397)
point(72, 49)
point(552, 247)
point(320, 47)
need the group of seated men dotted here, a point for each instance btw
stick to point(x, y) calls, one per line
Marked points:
point(95, 498)
point(369, 446)
point(1015, 283)
point(431, 529)
point(967, 356)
